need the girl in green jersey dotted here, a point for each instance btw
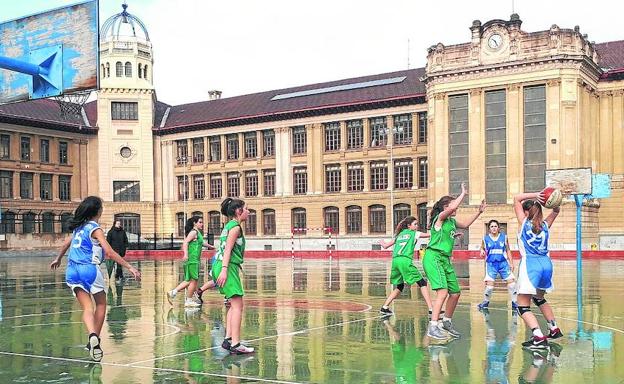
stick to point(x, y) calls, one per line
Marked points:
point(226, 271)
point(437, 261)
point(404, 271)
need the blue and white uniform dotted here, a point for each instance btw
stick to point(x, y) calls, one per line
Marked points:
point(495, 260)
point(85, 256)
point(536, 269)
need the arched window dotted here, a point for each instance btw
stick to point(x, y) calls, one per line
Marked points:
point(140, 70)
point(250, 224)
point(118, 69)
point(354, 219)
point(299, 220)
point(47, 222)
point(65, 218)
point(214, 223)
point(145, 72)
point(8, 222)
point(107, 69)
point(28, 222)
point(102, 71)
point(377, 219)
point(130, 222)
point(422, 217)
point(128, 69)
point(180, 223)
point(401, 211)
point(332, 218)
point(268, 222)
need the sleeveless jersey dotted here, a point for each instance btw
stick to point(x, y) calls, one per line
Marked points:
point(533, 244)
point(443, 240)
point(495, 249)
point(84, 249)
point(195, 248)
point(404, 243)
point(236, 256)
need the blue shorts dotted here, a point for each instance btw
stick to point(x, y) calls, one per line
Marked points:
point(495, 268)
point(535, 273)
point(87, 277)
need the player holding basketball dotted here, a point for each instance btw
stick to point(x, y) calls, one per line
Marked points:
point(437, 262)
point(404, 271)
point(495, 249)
point(83, 275)
point(535, 269)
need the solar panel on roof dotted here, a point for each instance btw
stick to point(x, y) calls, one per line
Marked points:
point(337, 88)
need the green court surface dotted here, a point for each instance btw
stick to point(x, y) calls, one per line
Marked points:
point(310, 321)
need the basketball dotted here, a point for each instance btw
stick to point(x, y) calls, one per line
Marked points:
point(552, 197)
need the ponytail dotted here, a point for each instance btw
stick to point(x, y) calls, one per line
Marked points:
point(536, 217)
point(87, 210)
point(438, 208)
point(229, 206)
point(403, 224)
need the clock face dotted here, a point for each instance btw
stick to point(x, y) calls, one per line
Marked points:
point(495, 41)
point(125, 152)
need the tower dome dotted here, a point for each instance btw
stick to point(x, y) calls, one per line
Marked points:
point(123, 26)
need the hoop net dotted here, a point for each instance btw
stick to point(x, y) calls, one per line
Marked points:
point(71, 104)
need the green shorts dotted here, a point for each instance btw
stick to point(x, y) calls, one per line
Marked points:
point(191, 271)
point(404, 271)
point(440, 271)
point(233, 285)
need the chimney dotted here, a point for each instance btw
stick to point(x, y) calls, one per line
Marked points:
point(214, 95)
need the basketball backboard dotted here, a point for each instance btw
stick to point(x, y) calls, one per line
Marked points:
point(571, 181)
point(50, 54)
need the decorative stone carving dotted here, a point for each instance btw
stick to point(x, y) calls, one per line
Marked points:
point(125, 152)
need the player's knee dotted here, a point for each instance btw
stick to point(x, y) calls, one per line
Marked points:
point(400, 287)
point(422, 283)
point(539, 301)
point(523, 309)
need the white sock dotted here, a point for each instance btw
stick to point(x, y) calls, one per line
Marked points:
point(433, 323)
point(488, 293)
point(537, 332)
point(511, 288)
point(552, 324)
point(444, 318)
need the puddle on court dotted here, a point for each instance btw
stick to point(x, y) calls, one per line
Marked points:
point(310, 321)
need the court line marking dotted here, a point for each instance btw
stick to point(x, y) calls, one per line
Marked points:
point(247, 378)
point(176, 329)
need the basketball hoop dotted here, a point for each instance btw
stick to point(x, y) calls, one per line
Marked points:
point(71, 104)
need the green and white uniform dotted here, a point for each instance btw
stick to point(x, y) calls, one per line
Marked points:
point(191, 266)
point(233, 285)
point(403, 269)
point(437, 260)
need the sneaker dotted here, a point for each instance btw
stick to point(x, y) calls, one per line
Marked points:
point(555, 333)
point(435, 332)
point(170, 297)
point(199, 294)
point(197, 297)
point(483, 305)
point(539, 357)
point(227, 343)
point(95, 351)
point(386, 311)
point(191, 303)
point(536, 342)
point(447, 325)
point(240, 349)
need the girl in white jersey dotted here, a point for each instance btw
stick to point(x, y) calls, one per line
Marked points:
point(535, 269)
point(83, 273)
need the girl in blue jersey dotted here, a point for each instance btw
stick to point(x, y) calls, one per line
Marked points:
point(495, 249)
point(535, 269)
point(87, 247)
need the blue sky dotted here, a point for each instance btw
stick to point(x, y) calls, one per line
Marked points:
point(246, 46)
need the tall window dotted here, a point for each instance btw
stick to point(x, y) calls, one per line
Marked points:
point(6, 185)
point(299, 140)
point(458, 143)
point(251, 145)
point(118, 69)
point(5, 147)
point(300, 180)
point(354, 219)
point(44, 151)
point(423, 169)
point(422, 127)
point(215, 148)
point(65, 221)
point(332, 178)
point(140, 70)
point(332, 218)
point(199, 187)
point(422, 217)
point(379, 175)
point(64, 188)
point(250, 224)
point(534, 137)
point(215, 186)
point(130, 222)
point(107, 69)
point(181, 152)
point(332, 136)
point(269, 182)
point(377, 219)
point(45, 186)
point(355, 134)
point(355, 177)
point(128, 69)
point(8, 222)
point(25, 148)
point(268, 143)
point(268, 222)
point(47, 221)
point(232, 146)
point(63, 152)
point(403, 174)
point(214, 222)
point(403, 129)
point(28, 222)
point(126, 191)
point(198, 150)
point(299, 219)
point(180, 223)
point(251, 183)
point(124, 110)
point(183, 188)
point(26, 185)
point(378, 131)
point(401, 211)
point(233, 184)
point(495, 147)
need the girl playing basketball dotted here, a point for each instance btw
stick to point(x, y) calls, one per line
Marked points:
point(535, 269)
point(83, 273)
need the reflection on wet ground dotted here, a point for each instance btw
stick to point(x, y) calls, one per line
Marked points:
point(310, 321)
